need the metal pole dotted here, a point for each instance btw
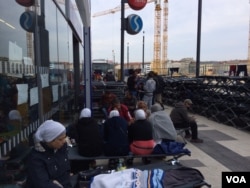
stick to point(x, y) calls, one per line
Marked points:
point(128, 55)
point(38, 61)
point(113, 52)
point(143, 44)
point(122, 38)
point(198, 39)
point(87, 67)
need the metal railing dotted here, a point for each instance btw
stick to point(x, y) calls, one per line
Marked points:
point(222, 99)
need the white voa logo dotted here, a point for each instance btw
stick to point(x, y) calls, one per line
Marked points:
point(236, 179)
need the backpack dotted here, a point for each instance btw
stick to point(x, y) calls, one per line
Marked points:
point(184, 177)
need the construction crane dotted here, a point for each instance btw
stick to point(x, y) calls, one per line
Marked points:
point(165, 38)
point(248, 63)
point(159, 63)
point(114, 10)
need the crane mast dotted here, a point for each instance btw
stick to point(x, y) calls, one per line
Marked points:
point(29, 40)
point(156, 64)
point(165, 38)
point(248, 60)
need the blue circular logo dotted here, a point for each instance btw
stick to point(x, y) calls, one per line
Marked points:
point(27, 21)
point(134, 24)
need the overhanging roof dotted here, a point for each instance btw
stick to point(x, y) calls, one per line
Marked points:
point(84, 11)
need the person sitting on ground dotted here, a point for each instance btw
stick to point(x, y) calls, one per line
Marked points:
point(163, 128)
point(48, 164)
point(109, 77)
point(130, 101)
point(89, 138)
point(140, 134)
point(142, 105)
point(181, 119)
point(122, 109)
point(105, 102)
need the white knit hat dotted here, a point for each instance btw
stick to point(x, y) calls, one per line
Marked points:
point(86, 112)
point(114, 113)
point(49, 130)
point(15, 115)
point(140, 114)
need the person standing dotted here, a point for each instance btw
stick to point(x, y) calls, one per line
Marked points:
point(157, 97)
point(149, 89)
point(181, 119)
point(48, 164)
point(140, 91)
point(132, 83)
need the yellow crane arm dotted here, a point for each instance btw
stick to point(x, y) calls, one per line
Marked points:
point(116, 9)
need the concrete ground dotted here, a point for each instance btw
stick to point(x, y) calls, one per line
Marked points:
point(225, 149)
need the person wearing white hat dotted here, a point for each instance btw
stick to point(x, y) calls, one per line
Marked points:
point(140, 134)
point(89, 138)
point(115, 135)
point(48, 164)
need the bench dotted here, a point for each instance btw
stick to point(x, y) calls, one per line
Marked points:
point(74, 155)
point(181, 132)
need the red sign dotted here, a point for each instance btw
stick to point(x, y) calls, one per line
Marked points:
point(26, 3)
point(137, 4)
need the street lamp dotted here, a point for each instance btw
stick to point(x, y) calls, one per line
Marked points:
point(143, 44)
point(113, 53)
point(198, 38)
point(127, 55)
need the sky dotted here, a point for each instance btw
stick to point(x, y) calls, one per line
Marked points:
point(224, 31)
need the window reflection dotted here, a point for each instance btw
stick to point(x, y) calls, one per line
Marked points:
point(18, 78)
point(16, 70)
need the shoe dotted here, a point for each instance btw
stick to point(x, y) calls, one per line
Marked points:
point(92, 164)
point(188, 136)
point(198, 140)
point(129, 162)
point(145, 160)
point(112, 164)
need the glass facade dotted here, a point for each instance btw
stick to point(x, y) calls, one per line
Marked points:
point(38, 70)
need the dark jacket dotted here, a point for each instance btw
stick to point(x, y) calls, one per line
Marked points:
point(116, 136)
point(46, 165)
point(140, 130)
point(179, 114)
point(131, 82)
point(89, 140)
point(131, 103)
point(159, 84)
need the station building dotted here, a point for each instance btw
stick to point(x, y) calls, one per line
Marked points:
point(41, 60)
